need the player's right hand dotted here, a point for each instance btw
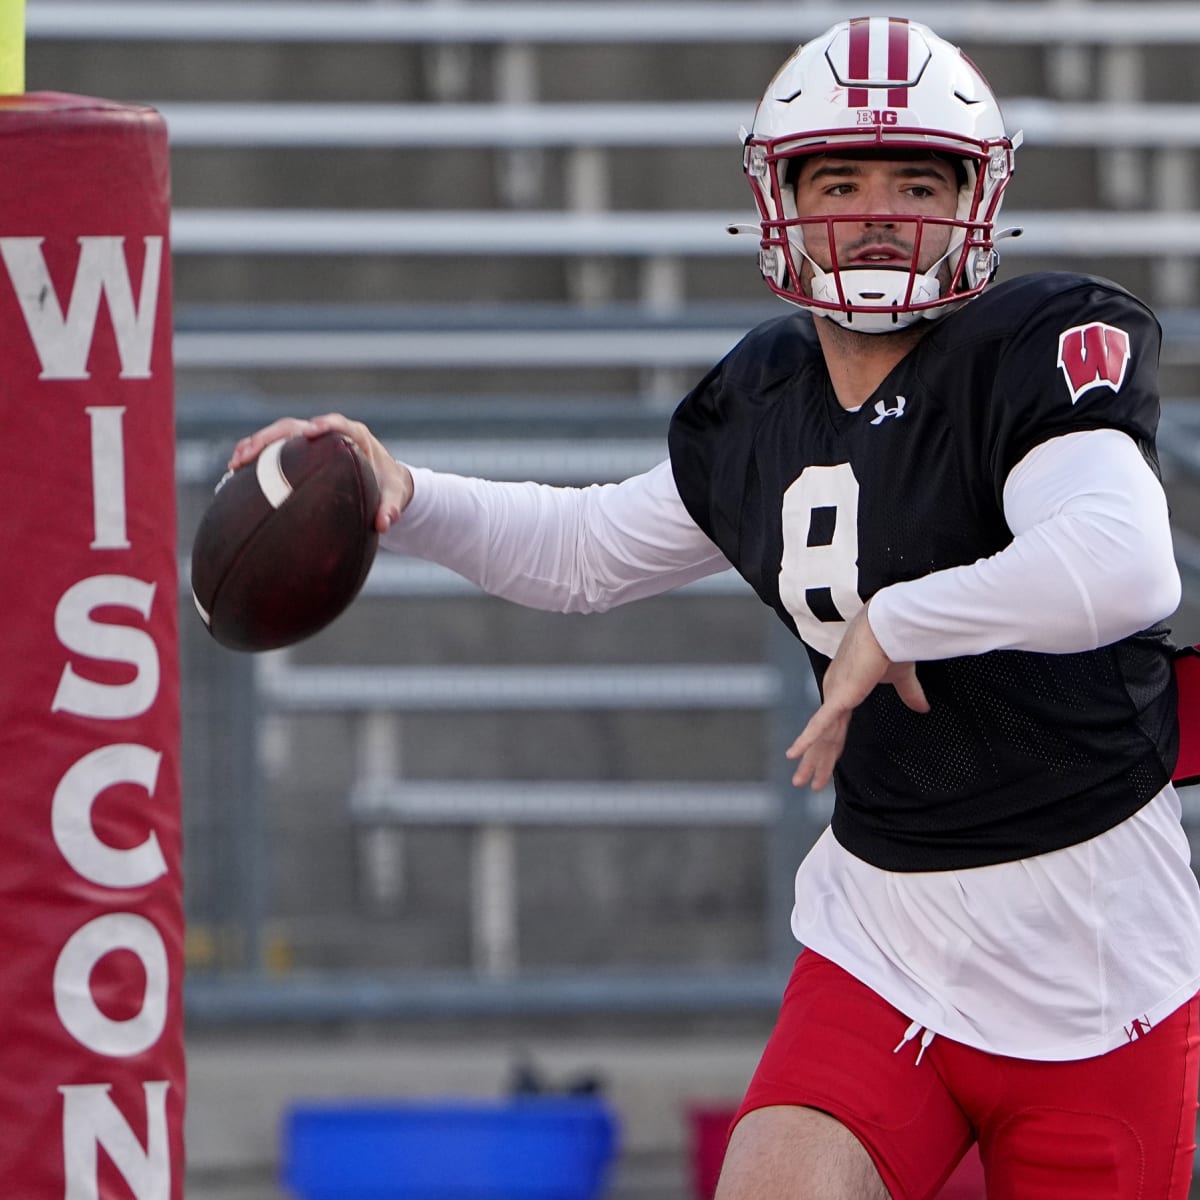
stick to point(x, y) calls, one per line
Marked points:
point(395, 479)
point(858, 667)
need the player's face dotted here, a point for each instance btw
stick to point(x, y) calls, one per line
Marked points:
point(878, 198)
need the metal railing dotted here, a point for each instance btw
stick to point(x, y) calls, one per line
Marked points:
point(531, 337)
point(620, 124)
point(290, 231)
point(383, 801)
point(1036, 24)
point(499, 126)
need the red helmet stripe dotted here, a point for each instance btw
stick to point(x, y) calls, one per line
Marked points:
point(860, 60)
point(897, 60)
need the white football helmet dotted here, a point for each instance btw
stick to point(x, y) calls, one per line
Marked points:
point(874, 84)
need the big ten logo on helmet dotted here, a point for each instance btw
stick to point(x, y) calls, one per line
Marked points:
point(1093, 355)
point(878, 116)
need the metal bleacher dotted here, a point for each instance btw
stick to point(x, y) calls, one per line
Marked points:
point(510, 300)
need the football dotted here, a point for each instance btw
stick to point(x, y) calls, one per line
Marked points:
point(285, 543)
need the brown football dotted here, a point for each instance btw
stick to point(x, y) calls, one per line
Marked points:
point(285, 543)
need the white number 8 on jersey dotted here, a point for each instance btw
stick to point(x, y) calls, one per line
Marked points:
point(818, 577)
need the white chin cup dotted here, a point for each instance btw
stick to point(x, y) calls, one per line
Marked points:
point(877, 291)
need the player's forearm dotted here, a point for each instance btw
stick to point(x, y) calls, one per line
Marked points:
point(562, 549)
point(1082, 571)
point(1045, 592)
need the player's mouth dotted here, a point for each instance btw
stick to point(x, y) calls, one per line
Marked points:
point(879, 256)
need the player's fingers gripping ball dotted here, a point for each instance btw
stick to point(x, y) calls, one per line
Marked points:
point(286, 543)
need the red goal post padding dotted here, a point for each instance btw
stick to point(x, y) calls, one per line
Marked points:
point(91, 1057)
point(1187, 680)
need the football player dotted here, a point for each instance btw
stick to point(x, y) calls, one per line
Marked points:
point(948, 490)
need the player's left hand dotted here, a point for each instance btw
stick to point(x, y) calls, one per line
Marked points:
point(856, 669)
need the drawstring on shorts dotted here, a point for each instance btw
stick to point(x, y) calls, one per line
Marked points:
point(910, 1033)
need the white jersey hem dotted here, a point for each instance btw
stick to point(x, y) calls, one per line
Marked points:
point(1063, 956)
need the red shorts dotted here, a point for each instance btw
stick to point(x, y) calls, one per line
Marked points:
point(1119, 1126)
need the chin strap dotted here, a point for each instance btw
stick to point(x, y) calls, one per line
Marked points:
point(878, 291)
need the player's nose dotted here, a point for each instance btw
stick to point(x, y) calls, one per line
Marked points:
point(877, 200)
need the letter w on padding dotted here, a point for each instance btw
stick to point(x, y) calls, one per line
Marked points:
point(63, 343)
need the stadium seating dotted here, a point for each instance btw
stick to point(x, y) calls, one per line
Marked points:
point(499, 231)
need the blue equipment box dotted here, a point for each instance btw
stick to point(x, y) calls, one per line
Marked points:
point(529, 1148)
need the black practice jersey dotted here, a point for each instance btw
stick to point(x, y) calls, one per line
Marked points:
point(819, 508)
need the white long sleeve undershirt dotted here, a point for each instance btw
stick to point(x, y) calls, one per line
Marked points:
point(1090, 562)
point(558, 548)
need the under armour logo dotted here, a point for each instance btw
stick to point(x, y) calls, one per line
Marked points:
point(1137, 1028)
point(884, 412)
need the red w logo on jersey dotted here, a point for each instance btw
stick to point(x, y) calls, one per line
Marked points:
point(1095, 355)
